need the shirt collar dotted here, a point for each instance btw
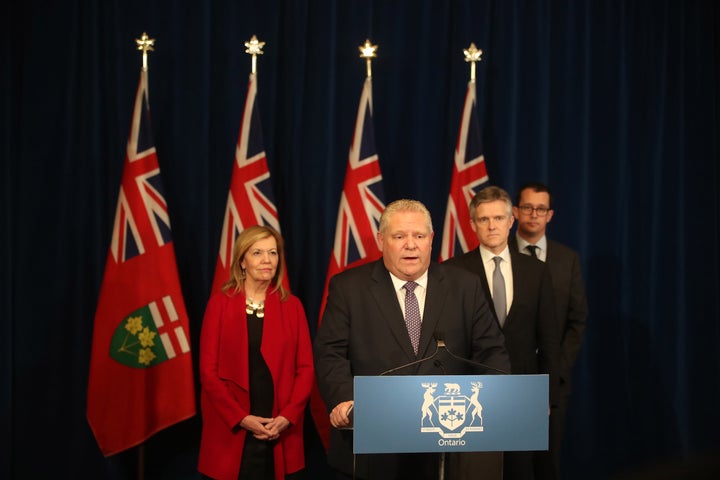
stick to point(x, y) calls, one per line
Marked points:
point(487, 255)
point(522, 243)
point(399, 283)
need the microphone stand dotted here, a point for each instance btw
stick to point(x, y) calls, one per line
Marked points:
point(441, 344)
point(438, 363)
point(422, 360)
point(441, 467)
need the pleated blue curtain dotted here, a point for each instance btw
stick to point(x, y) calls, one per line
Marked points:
point(614, 104)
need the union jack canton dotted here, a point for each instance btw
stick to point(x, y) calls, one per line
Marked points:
point(250, 199)
point(469, 176)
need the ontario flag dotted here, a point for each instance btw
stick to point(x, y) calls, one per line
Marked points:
point(141, 374)
point(361, 204)
point(250, 199)
point(469, 176)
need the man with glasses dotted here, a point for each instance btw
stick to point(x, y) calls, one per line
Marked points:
point(521, 296)
point(533, 211)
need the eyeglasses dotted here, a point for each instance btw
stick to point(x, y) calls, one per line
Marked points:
point(529, 209)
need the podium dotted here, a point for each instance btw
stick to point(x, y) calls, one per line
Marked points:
point(450, 413)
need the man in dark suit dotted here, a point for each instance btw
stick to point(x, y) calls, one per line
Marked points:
point(533, 211)
point(364, 332)
point(520, 289)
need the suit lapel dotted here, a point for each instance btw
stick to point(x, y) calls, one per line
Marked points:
point(516, 273)
point(475, 263)
point(549, 252)
point(383, 291)
point(434, 305)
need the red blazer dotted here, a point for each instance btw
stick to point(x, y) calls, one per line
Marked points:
point(225, 398)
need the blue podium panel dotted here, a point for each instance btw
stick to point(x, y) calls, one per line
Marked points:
point(450, 413)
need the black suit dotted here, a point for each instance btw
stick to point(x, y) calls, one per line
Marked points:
point(363, 332)
point(571, 314)
point(531, 335)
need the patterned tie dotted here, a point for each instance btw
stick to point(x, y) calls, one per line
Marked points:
point(412, 315)
point(498, 294)
point(532, 249)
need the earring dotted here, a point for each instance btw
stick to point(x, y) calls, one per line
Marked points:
point(242, 272)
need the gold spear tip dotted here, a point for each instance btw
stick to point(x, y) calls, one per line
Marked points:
point(472, 53)
point(368, 50)
point(145, 43)
point(254, 47)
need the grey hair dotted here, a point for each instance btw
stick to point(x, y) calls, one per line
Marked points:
point(404, 205)
point(490, 194)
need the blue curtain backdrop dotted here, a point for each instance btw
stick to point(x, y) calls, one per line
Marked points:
point(614, 104)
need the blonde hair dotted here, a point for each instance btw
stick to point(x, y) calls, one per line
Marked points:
point(244, 241)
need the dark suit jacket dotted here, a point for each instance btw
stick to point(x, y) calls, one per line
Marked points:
point(531, 335)
point(570, 304)
point(363, 332)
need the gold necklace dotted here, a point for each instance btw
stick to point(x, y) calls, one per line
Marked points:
point(257, 308)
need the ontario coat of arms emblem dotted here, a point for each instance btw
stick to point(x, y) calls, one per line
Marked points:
point(451, 414)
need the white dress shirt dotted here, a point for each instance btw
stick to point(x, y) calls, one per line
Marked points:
point(541, 251)
point(505, 267)
point(420, 291)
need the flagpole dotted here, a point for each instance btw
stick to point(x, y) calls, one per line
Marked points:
point(141, 461)
point(254, 48)
point(472, 55)
point(144, 44)
point(367, 51)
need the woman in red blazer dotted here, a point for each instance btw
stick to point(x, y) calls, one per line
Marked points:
point(256, 368)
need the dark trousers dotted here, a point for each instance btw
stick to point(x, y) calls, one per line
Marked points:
point(474, 466)
point(518, 466)
point(257, 460)
point(396, 466)
point(547, 464)
point(426, 466)
point(293, 476)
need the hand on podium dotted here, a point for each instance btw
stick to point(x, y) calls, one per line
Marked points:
point(341, 416)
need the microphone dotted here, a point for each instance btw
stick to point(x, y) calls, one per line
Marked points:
point(440, 339)
point(416, 362)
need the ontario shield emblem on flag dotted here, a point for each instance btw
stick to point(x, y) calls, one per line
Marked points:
point(145, 337)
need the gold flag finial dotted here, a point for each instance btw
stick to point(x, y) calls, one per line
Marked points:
point(145, 44)
point(367, 51)
point(472, 54)
point(254, 48)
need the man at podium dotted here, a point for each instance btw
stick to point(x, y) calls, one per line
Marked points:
point(387, 317)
